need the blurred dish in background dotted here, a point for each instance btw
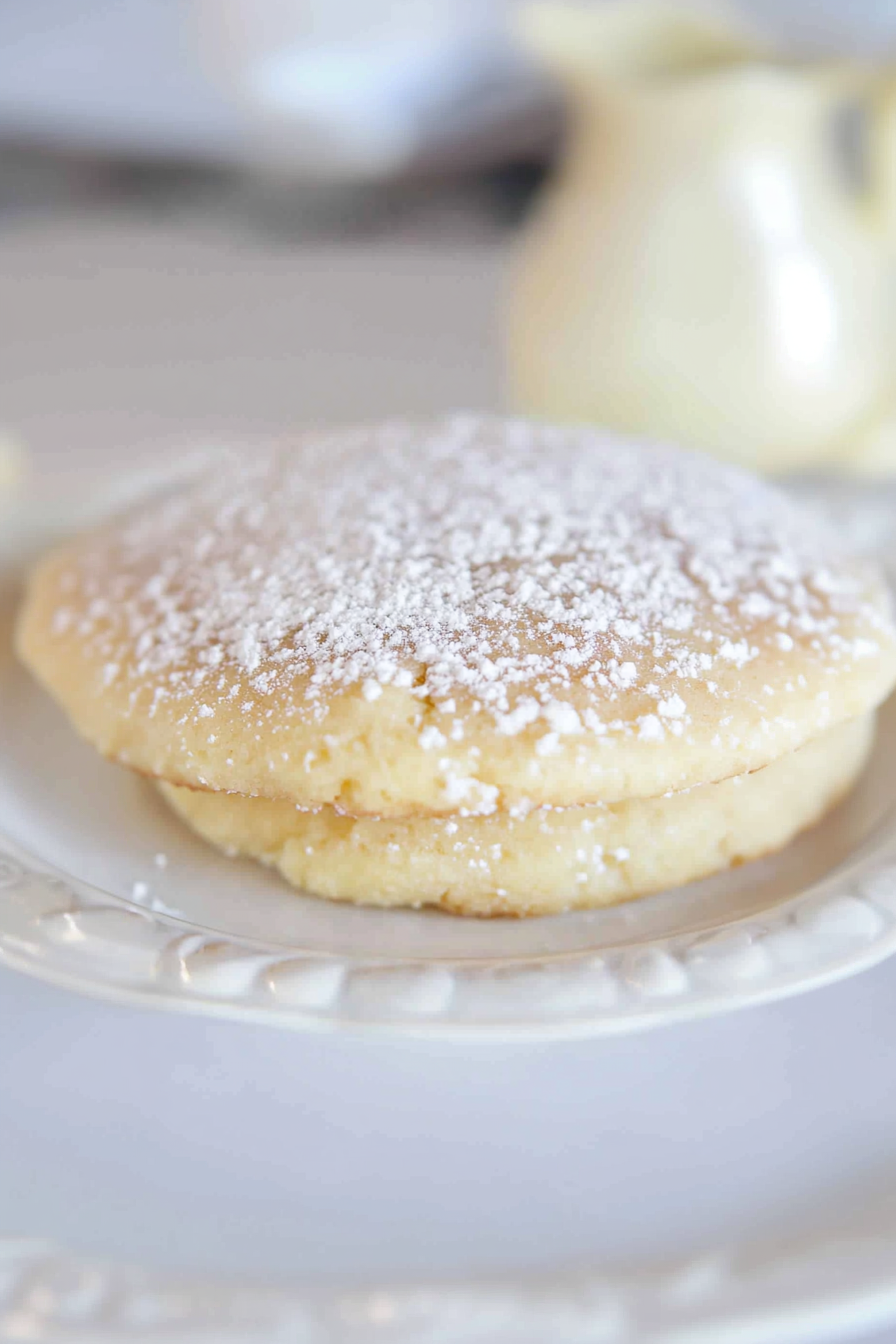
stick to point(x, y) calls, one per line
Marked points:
point(368, 89)
point(335, 88)
point(710, 265)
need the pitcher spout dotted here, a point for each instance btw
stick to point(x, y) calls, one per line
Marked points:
point(625, 41)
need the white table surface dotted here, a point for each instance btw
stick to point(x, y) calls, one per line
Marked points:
point(212, 1146)
point(207, 1145)
point(119, 340)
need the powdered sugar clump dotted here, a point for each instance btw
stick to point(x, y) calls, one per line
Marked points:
point(507, 561)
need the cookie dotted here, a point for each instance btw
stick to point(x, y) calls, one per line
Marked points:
point(547, 861)
point(465, 616)
point(470, 621)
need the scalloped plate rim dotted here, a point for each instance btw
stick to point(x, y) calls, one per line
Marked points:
point(827, 1283)
point(149, 992)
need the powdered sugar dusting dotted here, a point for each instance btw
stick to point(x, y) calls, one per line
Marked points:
point(506, 561)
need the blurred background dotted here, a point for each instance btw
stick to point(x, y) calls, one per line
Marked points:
point(221, 218)
point(218, 217)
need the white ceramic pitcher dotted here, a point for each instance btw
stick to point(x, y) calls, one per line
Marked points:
point(709, 265)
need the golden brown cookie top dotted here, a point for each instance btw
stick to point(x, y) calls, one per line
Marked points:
point(468, 613)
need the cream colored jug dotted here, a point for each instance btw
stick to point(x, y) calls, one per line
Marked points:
point(709, 266)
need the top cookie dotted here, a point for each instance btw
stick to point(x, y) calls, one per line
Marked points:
point(457, 617)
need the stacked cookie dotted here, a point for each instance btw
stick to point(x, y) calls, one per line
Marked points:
point(493, 666)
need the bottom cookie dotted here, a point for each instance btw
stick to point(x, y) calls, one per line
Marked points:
point(547, 861)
